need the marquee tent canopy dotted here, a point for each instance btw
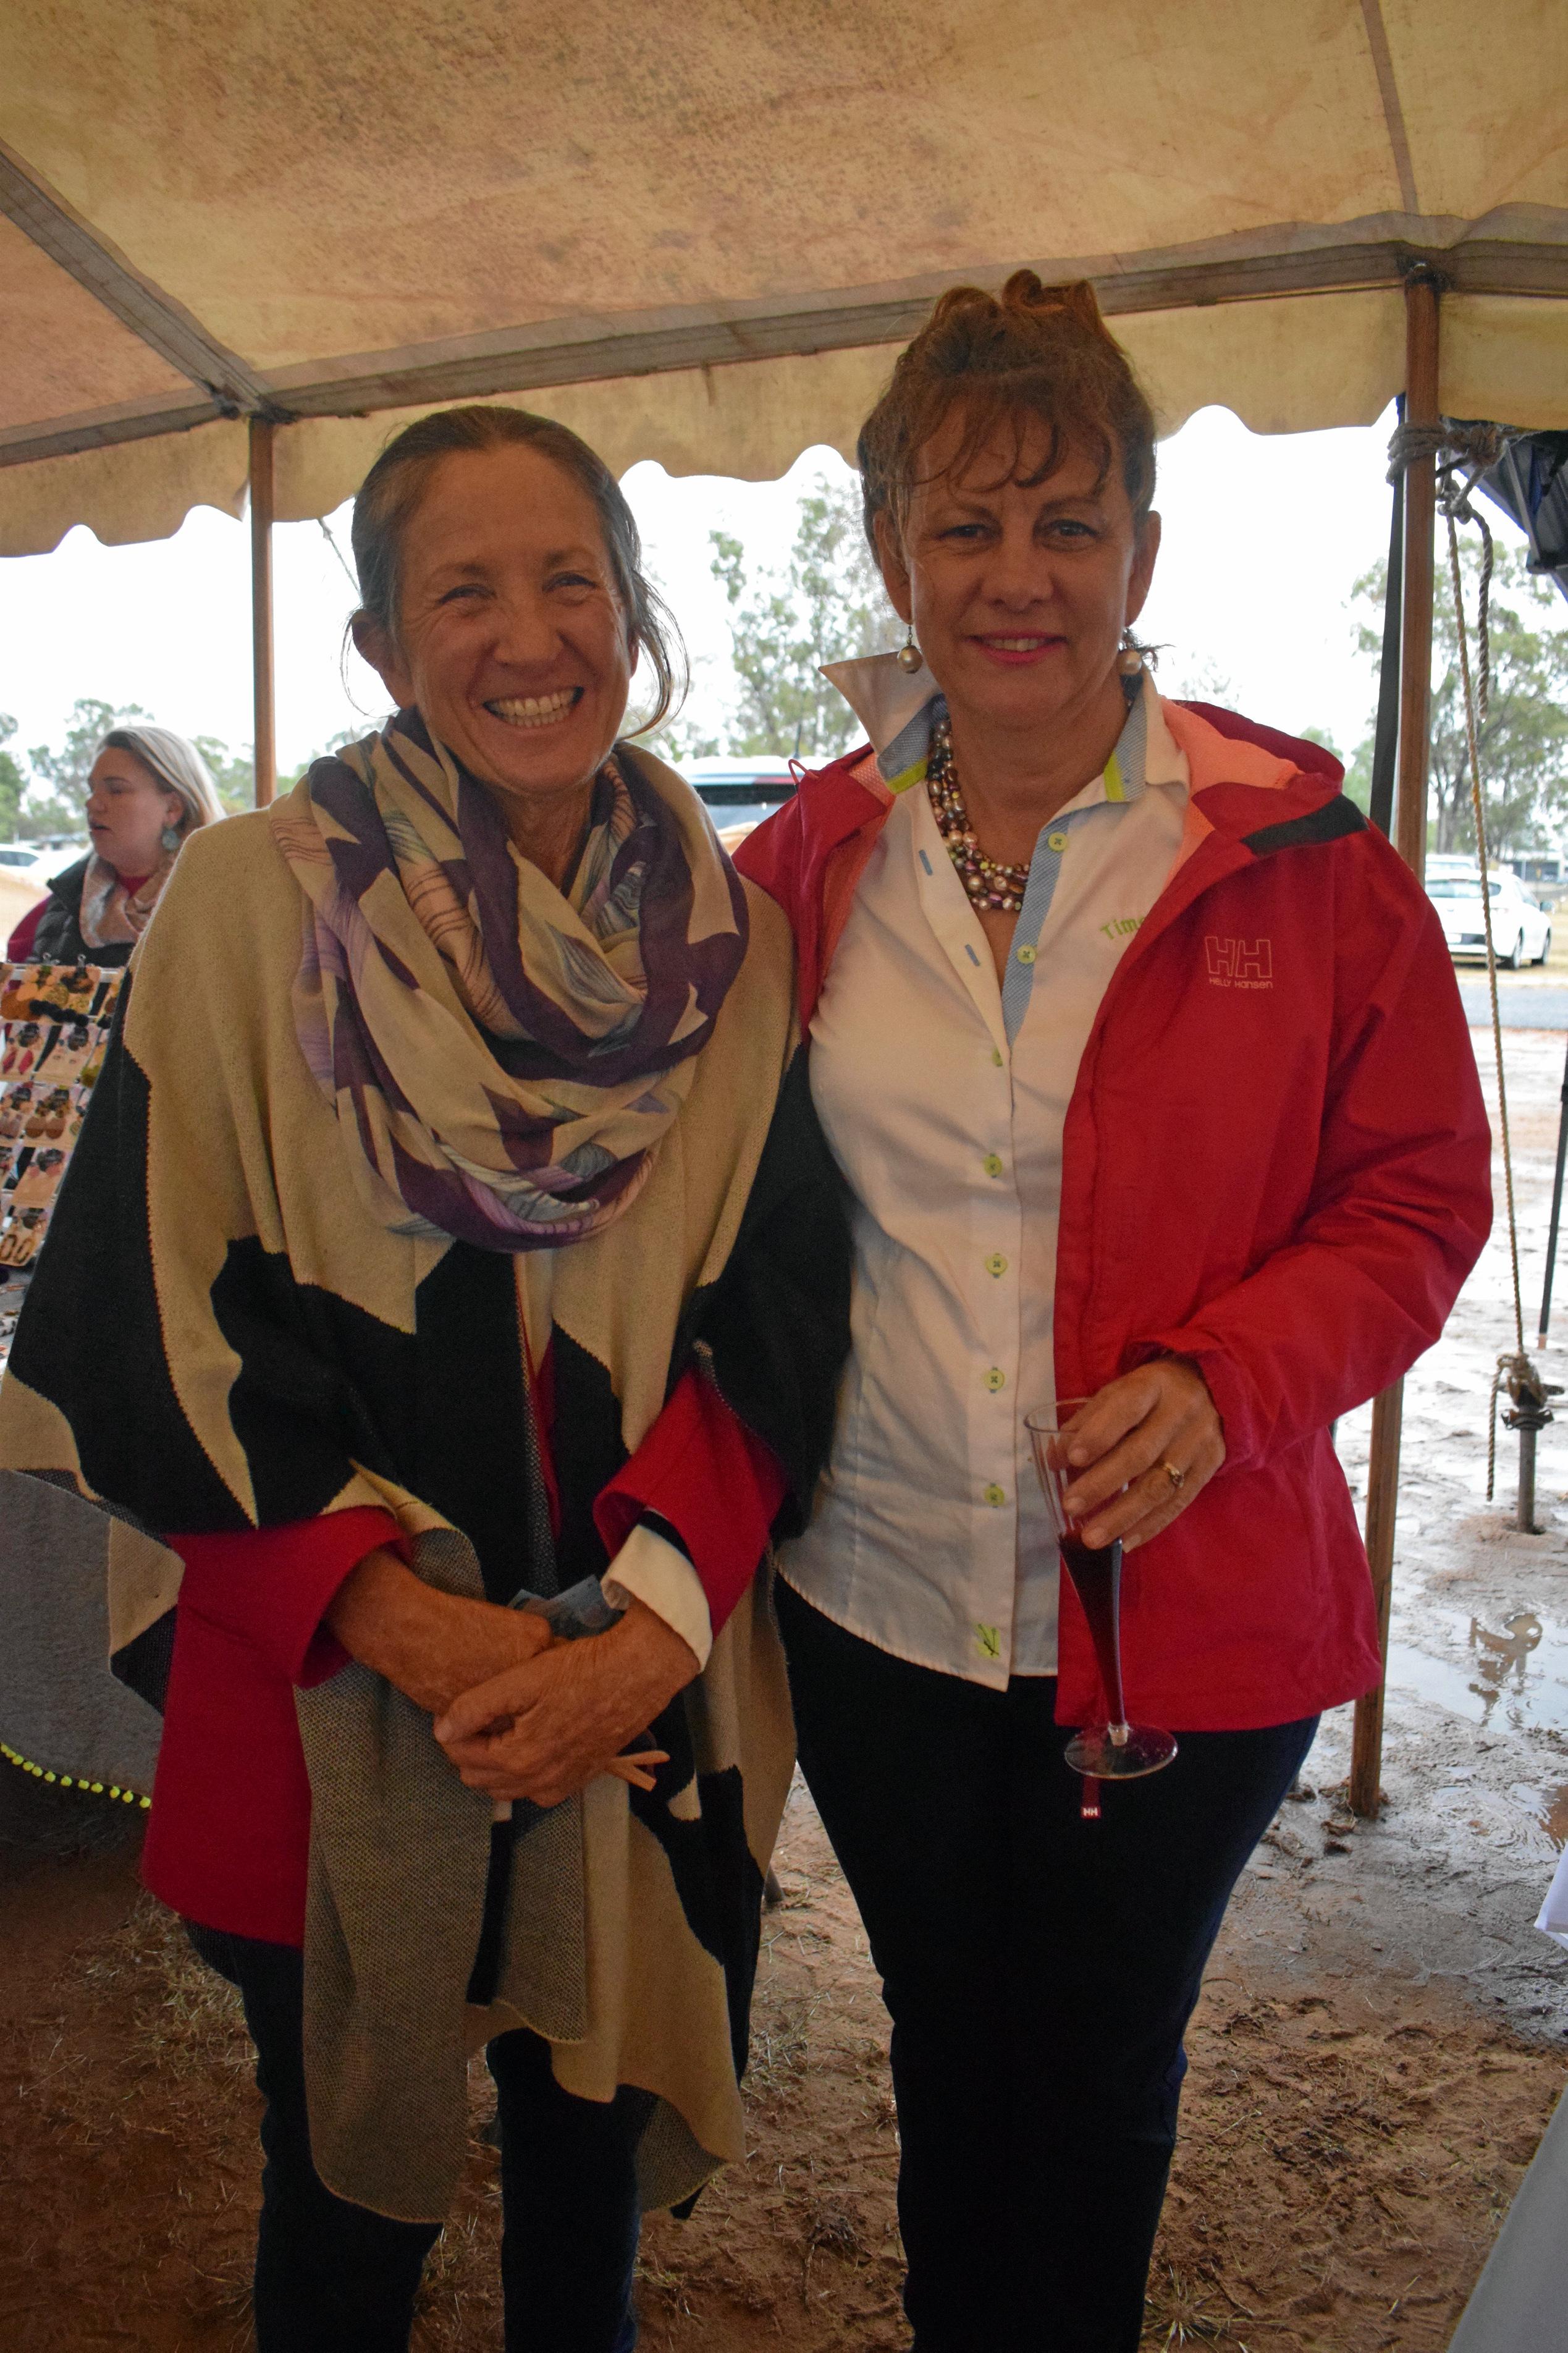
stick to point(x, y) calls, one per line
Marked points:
point(242, 240)
point(693, 231)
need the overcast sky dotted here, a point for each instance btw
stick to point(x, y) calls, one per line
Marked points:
point(1264, 537)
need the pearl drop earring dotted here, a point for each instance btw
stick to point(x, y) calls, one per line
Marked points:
point(909, 656)
point(1129, 661)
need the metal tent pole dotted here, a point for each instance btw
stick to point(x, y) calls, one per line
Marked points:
point(1386, 742)
point(262, 435)
point(1556, 1212)
point(1422, 290)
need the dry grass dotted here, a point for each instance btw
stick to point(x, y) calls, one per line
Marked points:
point(187, 2022)
point(1350, 2143)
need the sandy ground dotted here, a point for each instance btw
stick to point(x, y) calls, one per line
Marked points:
point(1380, 2042)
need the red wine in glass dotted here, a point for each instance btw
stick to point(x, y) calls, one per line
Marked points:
point(1095, 1573)
point(1116, 1750)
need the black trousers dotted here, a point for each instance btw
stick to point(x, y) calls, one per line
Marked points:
point(1039, 1971)
point(331, 2277)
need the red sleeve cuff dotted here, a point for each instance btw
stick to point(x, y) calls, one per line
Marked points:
point(272, 1587)
point(717, 1486)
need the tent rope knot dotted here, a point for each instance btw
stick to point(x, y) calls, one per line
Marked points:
point(1528, 1408)
point(1453, 441)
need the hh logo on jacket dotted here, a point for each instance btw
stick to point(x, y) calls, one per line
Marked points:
point(1239, 963)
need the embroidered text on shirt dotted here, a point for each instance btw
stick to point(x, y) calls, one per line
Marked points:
point(1239, 963)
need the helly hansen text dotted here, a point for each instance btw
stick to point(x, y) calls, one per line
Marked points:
point(1239, 963)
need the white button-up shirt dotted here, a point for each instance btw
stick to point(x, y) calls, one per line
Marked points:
point(942, 1097)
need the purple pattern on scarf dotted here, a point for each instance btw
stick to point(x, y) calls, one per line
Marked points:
point(676, 969)
point(679, 971)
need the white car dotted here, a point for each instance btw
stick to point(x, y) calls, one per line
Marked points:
point(739, 792)
point(1522, 931)
point(1445, 864)
point(25, 862)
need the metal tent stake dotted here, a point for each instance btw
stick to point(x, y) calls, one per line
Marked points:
point(1529, 1413)
point(1526, 1424)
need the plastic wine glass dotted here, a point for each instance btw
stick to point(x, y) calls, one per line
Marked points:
point(1115, 1750)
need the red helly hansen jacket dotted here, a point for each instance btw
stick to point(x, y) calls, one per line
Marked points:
point(1275, 1163)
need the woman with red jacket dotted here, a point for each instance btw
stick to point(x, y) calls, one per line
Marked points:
point(471, 1263)
point(1141, 1057)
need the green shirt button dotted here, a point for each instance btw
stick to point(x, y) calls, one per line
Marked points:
point(994, 1494)
point(996, 1379)
point(1026, 956)
point(995, 1263)
point(1056, 841)
point(992, 1164)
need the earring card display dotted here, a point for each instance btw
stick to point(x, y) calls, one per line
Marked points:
point(55, 1021)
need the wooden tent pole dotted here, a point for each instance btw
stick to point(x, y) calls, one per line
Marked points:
point(1421, 298)
point(262, 435)
point(1422, 290)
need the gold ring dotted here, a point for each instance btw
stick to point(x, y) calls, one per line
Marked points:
point(1178, 1479)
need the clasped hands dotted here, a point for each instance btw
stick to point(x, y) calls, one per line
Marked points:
point(523, 1715)
point(520, 1714)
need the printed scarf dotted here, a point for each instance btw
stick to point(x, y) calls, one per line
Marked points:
point(505, 1058)
point(110, 914)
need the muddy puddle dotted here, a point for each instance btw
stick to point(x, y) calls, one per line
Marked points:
point(1509, 1673)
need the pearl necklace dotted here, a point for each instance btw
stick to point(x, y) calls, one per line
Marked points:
point(989, 884)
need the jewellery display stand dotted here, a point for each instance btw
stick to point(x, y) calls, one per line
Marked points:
point(54, 1021)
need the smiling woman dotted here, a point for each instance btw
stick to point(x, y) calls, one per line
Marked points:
point(471, 1298)
point(1145, 1070)
point(513, 611)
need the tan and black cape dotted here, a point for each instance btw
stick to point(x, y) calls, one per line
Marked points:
point(219, 1336)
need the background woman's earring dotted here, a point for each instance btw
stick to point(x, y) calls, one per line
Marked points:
point(909, 656)
point(169, 839)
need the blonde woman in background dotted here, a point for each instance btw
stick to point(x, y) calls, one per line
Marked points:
point(148, 789)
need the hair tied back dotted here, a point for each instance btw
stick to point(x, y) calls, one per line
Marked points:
point(1032, 352)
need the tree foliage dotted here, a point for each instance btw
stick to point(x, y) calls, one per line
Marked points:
point(13, 783)
point(47, 796)
point(826, 604)
point(681, 739)
point(234, 772)
point(1523, 740)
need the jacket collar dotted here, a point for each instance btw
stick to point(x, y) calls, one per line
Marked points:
point(896, 707)
point(1232, 762)
point(68, 884)
point(1251, 792)
point(899, 710)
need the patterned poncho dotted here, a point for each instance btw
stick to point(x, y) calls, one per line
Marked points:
point(278, 1348)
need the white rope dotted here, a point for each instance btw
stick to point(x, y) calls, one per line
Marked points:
point(1478, 803)
point(1514, 1369)
point(326, 530)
